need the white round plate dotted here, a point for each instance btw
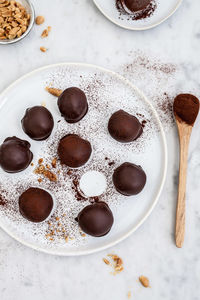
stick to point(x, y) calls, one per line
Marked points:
point(164, 10)
point(115, 92)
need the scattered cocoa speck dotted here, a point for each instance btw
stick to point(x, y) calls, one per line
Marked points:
point(56, 229)
point(3, 202)
point(144, 281)
point(53, 91)
point(43, 49)
point(106, 158)
point(144, 123)
point(39, 20)
point(69, 172)
point(111, 163)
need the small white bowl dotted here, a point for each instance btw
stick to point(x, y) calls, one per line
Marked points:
point(30, 9)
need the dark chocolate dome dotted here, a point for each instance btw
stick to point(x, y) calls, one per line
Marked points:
point(72, 104)
point(74, 151)
point(129, 179)
point(15, 155)
point(38, 123)
point(124, 127)
point(96, 219)
point(35, 204)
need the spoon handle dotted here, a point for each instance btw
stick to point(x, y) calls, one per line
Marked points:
point(184, 137)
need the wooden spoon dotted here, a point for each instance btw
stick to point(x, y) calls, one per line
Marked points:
point(186, 109)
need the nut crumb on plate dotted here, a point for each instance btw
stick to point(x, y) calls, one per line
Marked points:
point(43, 49)
point(45, 32)
point(129, 294)
point(117, 265)
point(144, 281)
point(54, 91)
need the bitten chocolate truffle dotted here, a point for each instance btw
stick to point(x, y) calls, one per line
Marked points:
point(136, 5)
point(35, 204)
point(15, 155)
point(74, 151)
point(129, 179)
point(38, 123)
point(124, 127)
point(72, 104)
point(96, 219)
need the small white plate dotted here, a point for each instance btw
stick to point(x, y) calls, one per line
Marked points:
point(29, 90)
point(164, 10)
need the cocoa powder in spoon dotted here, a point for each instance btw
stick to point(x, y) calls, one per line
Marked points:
point(186, 108)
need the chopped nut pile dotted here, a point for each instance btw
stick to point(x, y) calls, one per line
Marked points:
point(53, 91)
point(117, 263)
point(14, 19)
point(144, 281)
point(44, 170)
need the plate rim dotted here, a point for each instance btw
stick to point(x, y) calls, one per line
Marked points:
point(137, 28)
point(165, 162)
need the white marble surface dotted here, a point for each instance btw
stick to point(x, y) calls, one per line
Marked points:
point(81, 34)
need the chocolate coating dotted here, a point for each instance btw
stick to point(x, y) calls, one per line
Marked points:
point(38, 123)
point(74, 151)
point(73, 104)
point(129, 179)
point(136, 5)
point(96, 219)
point(15, 155)
point(35, 204)
point(124, 127)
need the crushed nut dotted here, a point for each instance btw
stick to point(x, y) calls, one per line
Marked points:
point(45, 32)
point(129, 295)
point(14, 19)
point(118, 263)
point(40, 161)
point(106, 261)
point(43, 49)
point(39, 20)
point(54, 91)
point(144, 281)
point(54, 162)
point(42, 170)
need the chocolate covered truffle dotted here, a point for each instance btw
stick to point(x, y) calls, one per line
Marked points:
point(135, 5)
point(73, 104)
point(124, 127)
point(96, 219)
point(74, 151)
point(38, 123)
point(15, 155)
point(35, 204)
point(129, 179)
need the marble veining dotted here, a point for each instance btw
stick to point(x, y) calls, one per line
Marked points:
point(80, 33)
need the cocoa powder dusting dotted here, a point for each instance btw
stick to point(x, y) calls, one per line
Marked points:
point(186, 108)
